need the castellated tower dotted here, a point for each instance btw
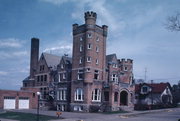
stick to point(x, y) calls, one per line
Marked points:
point(34, 56)
point(88, 63)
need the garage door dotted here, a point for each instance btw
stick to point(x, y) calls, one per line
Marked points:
point(23, 103)
point(9, 102)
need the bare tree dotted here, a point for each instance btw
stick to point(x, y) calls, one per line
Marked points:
point(173, 22)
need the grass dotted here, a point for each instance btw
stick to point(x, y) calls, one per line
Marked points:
point(115, 112)
point(25, 116)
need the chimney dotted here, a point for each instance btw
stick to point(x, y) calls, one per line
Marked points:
point(34, 56)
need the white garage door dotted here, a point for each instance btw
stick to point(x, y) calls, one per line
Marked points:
point(9, 102)
point(23, 103)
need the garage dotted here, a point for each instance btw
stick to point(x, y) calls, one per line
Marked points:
point(23, 103)
point(9, 103)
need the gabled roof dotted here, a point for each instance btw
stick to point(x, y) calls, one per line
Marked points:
point(156, 87)
point(110, 57)
point(51, 60)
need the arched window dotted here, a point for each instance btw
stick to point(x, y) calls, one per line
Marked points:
point(115, 96)
point(96, 95)
point(79, 94)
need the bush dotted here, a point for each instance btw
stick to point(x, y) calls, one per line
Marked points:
point(94, 108)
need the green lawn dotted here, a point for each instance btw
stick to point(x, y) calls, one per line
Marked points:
point(25, 116)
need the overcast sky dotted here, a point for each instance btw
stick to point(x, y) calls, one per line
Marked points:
point(136, 31)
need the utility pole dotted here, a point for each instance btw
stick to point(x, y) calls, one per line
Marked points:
point(151, 95)
point(145, 76)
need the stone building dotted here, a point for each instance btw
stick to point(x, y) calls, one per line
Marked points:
point(89, 81)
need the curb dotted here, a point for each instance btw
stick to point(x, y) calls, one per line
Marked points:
point(144, 112)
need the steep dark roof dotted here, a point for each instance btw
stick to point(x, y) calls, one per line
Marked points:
point(51, 60)
point(109, 58)
point(156, 87)
point(68, 60)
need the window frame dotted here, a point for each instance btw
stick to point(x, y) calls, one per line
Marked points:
point(96, 95)
point(79, 94)
point(89, 59)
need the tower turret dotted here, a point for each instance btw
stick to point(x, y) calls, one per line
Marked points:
point(90, 18)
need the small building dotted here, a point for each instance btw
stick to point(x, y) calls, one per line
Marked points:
point(156, 95)
point(23, 99)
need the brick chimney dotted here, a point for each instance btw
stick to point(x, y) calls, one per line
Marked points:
point(34, 56)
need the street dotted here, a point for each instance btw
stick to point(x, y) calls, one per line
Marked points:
point(172, 114)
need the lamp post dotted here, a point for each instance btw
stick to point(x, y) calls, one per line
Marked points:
point(38, 94)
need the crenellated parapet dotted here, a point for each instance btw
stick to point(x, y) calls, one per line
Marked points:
point(90, 17)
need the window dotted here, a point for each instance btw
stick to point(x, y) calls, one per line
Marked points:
point(34, 95)
point(41, 77)
point(125, 68)
point(97, 49)
point(97, 38)
point(97, 62)
point(106, 96)
point(115, 66)
point(89, 46)
point(115, 96)
point(96, 95)
point(62, 66)
point(64, 75)
point(89, 35)
point(144, 89)
point(58, 97)
point(79, 94)
point(25, 84)
point(88, 70)
point(78, 108)
point(59, 77)
point(38, 78)
point(81, 39)
point(41, 67)
point(80, 74)
point(96, 74)
point(61, 95)
point(81, 48)
point(114, 77)
point(80, 60)
point(88, 59)
point(45, 77)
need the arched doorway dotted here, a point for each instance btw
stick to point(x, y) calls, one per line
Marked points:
point(123, 98)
